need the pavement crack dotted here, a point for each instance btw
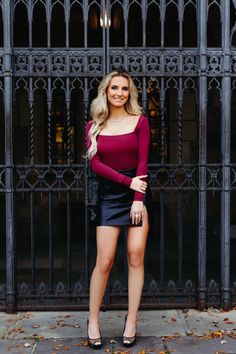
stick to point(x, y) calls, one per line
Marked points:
point(185, 323)
point(33, 350)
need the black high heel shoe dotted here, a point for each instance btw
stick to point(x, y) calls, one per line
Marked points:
point(94, 343)
point(128, 342)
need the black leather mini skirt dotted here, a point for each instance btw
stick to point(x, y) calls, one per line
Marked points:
point(115, 201)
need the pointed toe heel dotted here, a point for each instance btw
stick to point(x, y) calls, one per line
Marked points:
point(94, 343)
point(128, 342)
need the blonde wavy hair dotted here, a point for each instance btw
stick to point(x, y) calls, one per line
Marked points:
point(99, 108)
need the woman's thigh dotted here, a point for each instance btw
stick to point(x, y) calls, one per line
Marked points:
point(137, 236)
point(107, 237)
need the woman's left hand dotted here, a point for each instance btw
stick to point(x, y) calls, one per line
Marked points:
point(137, 212)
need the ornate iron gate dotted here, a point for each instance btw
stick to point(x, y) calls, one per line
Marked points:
point(52, 56)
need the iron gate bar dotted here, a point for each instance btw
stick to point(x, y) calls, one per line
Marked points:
point(9, 192)
point(180, 235)
point(162, 237)
point(68, 221)
point(32, 240)
point(225, 152)
point(50, 244)
point(202, 30)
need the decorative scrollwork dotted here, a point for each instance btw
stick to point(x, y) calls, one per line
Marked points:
point(58, 63)
point(60, 288)
point(78, 288)
point(190, 63)
point(152, 286)
point(233, 176)
point(22, 63)
point(214, 66)
point(135, 61)
point(77, 64)
point(117, 61)
point(233, 64)
point(213, 292)
point(1, 62)
point(40, 63)
point(174, 178)
point(23, 289)
point(214, 177)
point(117, 286)
point(42, 289)
point(92, 212)
point(171, 62)
point(154, 64)
point(2, 177)
point(95, 64)
point(46, 178)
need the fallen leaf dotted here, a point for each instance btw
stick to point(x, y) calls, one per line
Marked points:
point(230, 322)
point(232, 335)
point(53, 326)
point(27, 345)
point(173, 319)
point(27, 315)
point(66, 348)
point(77, 345)
point(170, 337)
point(216, 334)
point(19, 330)
point(85, 343)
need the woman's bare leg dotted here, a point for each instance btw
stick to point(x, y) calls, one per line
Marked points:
point(107, 237)
point(136, 243)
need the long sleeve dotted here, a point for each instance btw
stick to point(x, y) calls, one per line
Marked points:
point(102, 169)
point(142, 154)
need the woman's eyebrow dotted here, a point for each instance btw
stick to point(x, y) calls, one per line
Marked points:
point(118, 86)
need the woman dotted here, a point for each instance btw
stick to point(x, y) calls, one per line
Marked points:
point(118, 143)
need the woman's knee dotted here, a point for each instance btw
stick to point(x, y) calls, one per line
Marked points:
point(105, 264)
point(135, 259)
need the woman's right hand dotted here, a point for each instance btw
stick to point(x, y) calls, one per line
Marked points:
point(138, 185)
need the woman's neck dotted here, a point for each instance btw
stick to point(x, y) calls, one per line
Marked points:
point(116, 113)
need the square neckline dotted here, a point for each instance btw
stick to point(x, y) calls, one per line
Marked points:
point(139, 118)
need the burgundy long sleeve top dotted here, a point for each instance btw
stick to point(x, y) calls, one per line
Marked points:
point(121, 152)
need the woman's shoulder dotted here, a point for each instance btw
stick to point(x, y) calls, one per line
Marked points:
point(142, 120)
point(88, 125)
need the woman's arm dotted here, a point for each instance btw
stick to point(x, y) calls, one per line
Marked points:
point(143, 133)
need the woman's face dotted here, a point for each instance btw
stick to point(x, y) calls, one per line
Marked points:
point(118, 91)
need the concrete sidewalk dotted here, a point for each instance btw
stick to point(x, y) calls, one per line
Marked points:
point(165, 331)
